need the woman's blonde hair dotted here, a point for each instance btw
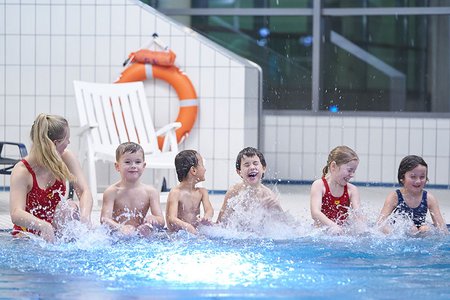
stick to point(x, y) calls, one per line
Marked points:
point(45, 130)
point(340, 155)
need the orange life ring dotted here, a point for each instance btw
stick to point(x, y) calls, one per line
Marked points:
point(146, 56)
point(179, 81)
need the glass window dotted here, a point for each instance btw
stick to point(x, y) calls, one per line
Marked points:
point(385, 63)
point(373, 62)
point(374, 3)
point(281, 46)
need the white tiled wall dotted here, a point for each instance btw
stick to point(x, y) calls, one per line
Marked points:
point(45, 45)
point(297, 146)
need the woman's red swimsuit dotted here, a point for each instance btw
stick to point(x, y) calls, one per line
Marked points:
point(41, 203)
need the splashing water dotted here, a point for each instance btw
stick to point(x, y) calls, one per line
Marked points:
point(247, 217)
point(258, 253)
point(189, 266)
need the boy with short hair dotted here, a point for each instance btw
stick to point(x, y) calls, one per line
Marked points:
point(250, 166)
point(184, 200)
point(129, 206)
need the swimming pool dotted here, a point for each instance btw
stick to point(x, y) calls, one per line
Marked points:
point(186, 267)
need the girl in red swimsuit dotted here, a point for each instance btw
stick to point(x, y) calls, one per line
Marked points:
point(332, 195)
point(38, 182)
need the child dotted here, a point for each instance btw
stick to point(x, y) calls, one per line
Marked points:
point(250, 166)
point(130, 206)
point(332, 195)
point(38, 182)
point(183, 203)
point(412, 200)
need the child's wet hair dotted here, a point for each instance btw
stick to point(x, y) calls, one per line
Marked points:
point(340, 155)
point(249, 152)
point(407, 164)
point(184, 161)
point(128, 147)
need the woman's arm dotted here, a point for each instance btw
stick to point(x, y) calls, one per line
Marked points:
point(81, 186)
point(20, 184)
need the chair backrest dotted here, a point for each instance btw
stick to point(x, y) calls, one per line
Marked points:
point(119, 111)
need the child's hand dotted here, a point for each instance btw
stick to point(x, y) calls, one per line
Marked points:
point(145, 229)
point(191, 229)
point(152, 220)
point(127, 230)
point(335, 230)
point(48, 233)
point(203, 220)
point(386, 229)
point(270, 202)
point(424, 228)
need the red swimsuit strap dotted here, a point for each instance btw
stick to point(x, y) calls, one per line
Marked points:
point(27, 165)
point(327, 189)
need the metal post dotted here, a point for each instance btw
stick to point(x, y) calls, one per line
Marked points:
point(317, 32)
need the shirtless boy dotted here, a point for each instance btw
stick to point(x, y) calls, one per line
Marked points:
point(129, 206)
point(184, 200)
point(250, 166)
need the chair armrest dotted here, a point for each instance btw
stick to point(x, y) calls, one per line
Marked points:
point(169, 127)
point(86, 127)
point(22, 148)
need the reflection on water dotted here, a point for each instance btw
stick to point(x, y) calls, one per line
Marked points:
point(301, 263)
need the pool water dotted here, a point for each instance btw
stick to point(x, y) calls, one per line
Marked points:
point(209, 266)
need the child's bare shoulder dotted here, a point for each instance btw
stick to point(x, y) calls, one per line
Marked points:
point(150, 191)
point(174, 194)
point(317, 182)
point(235, 189)
point(351, 187)
point(112, 189)
point(267, 191)
point(175, 190)
point(266, 188)
point(431, 199)
point(149, 187)
point(203, 191)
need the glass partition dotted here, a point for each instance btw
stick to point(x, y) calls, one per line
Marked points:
point(380, 63)
point(375, 56)
point(285, 58)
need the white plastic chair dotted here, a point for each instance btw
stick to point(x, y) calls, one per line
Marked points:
point(111, 114)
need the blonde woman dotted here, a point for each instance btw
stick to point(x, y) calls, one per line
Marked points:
point(38, 182)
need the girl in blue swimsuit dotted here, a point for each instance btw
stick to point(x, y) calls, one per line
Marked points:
point(411, 200)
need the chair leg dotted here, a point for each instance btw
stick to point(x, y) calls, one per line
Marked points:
point(164, 185)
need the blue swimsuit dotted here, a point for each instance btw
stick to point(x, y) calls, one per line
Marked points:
point(417, 214)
